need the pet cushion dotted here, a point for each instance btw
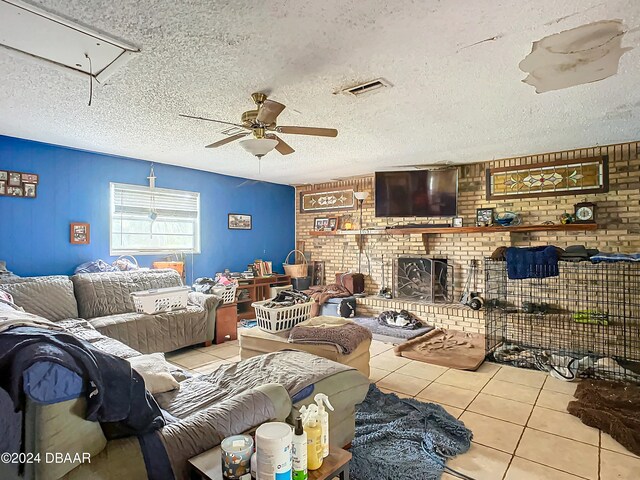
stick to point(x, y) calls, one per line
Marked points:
point(154, 369)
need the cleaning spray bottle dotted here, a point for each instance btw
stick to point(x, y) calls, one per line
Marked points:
point(314, 436)
point(299, 451)
point(323, 416)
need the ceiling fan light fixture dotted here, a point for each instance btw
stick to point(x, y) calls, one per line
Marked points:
point(259, 146)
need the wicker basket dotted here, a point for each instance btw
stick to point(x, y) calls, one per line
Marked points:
point(275, 320)
point(227, 293)
point(296, 270)
point(160, 300)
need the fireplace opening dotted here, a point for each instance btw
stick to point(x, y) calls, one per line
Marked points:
point(423, 279)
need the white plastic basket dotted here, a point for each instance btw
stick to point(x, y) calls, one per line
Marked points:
point(227, 293)
point(275, 320)
point(160, 300)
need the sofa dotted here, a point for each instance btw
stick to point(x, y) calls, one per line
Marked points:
point(104, 300)
point(204, 410)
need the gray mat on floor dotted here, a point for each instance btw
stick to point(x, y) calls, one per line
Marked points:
point(382, 333)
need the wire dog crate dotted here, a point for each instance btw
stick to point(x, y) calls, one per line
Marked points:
point(585, 321)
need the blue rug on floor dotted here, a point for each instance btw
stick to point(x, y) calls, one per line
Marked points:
point(404, 439)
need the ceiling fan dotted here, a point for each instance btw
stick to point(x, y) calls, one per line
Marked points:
point(261, 122)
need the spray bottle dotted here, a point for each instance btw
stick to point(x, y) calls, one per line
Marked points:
point(323, 416)
point(314, 436)
point(299, 451)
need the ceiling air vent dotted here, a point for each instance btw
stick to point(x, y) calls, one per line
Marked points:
point(367, 87)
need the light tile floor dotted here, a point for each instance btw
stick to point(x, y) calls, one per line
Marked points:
point(521, 428)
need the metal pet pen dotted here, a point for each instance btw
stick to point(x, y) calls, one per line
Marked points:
point(585, 321)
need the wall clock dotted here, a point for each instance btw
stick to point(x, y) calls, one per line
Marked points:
point(585, 212)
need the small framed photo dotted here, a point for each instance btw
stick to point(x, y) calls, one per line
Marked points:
point(80, 234)
point(484, 217)
point(30, 190)
point(333, 223)
point(457, 222)
point(239, 221)
point(30, 178)
point(321, 224)
point(3, 187)
point(3, 176)
point(14, 191)
point(15, 179)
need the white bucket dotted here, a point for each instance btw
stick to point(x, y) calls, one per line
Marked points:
point(273, 449)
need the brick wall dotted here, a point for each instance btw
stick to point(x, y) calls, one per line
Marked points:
point(618, 218)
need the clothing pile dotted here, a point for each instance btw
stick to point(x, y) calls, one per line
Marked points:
point(401, 319)
point(322, 293)
point(287, 298)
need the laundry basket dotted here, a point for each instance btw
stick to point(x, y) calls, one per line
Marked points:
point(295, 270)
point(160, 300)
point(275, 320)
point(228, 293)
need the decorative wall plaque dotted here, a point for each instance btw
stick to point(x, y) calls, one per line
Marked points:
point(564, 177)
point(330, 201)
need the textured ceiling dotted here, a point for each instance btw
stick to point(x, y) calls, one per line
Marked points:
point(455, 98)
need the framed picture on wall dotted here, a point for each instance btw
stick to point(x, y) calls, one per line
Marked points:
point(321, 224)
point(30, 190)
point(239, 221)
point(3, 187)
point(80, 234)
point(15, 179)
point(3, 176)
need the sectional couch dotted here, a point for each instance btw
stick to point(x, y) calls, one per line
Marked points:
point(104, 300)
point(204, 410)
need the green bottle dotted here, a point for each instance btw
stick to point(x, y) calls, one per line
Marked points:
point(299, 451)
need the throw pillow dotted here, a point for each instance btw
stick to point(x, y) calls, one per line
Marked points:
point(154, 369)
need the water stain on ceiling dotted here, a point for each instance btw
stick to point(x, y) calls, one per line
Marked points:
point(585, 54)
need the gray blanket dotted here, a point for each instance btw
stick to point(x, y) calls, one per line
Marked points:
point(293, 370)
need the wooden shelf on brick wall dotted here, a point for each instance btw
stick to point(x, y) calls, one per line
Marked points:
point(425, 232)
point(572, 227)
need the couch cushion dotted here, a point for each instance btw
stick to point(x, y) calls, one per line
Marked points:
point(50, 297)
point(163, 332)
point(108, 293)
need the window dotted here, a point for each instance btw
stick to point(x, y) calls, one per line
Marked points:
point(148, 221)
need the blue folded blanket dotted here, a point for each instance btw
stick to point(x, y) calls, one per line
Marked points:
point(534, 262)
point(616, 257)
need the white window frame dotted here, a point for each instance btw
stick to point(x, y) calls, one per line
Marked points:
point(151, 251)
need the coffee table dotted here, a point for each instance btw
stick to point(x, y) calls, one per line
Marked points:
point(208, 465)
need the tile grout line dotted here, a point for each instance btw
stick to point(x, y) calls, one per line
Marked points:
point(522, 434)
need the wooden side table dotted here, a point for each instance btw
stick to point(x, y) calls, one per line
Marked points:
point(335, 465)
point(208, 465)
point(226, 322)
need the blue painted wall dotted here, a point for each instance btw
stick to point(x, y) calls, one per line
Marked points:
point(74, 187)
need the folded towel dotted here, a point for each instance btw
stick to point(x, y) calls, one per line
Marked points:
point(342, 333)
point(534, 262)
point(616, 257)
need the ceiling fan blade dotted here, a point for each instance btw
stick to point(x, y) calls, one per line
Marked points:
point(283, 147)
point(320, 132)
point(224, 141)
point(212, 120)
point(269, 111)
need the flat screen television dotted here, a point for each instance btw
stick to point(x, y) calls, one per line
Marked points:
point(422, 193)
